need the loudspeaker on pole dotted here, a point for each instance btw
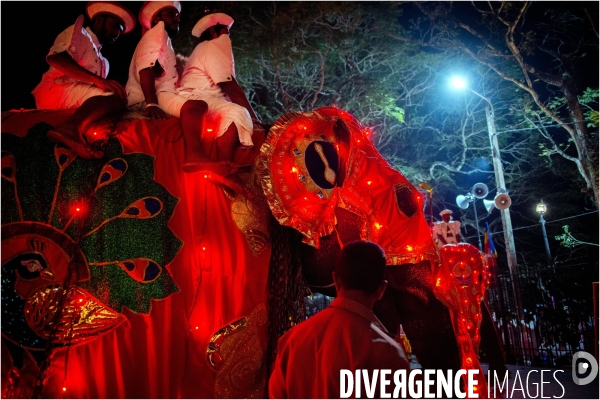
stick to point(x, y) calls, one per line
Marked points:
point(489, 205)
point(502, 201)
point(479, 190)
point(462, 201)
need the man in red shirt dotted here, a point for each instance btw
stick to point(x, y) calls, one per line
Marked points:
point(344, 336)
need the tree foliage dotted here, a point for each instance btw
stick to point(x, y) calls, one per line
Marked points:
point(388, 63)
point(546, 56)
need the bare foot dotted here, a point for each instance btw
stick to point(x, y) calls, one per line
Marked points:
point(71, 138)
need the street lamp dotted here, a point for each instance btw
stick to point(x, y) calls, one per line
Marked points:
point(511, 254)
point(541, 209)
point(498, 173)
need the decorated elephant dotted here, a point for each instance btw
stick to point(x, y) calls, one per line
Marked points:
point(124, 277)
point(322, 176)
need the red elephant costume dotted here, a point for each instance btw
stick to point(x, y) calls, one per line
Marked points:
point(208, 337)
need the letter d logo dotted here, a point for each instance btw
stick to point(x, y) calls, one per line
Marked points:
point(584, 367)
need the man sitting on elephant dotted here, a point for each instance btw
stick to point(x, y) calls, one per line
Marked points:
point(77, 78)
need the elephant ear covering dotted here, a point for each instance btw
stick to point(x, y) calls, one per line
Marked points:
point(316, 161)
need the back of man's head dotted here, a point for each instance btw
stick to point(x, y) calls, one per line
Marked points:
point(361, 266)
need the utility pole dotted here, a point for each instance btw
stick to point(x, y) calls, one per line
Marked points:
point(509, 241)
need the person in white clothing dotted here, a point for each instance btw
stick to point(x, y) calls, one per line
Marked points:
point(153, 70)
point(446, 231)
point(209, 75)
point(77, 75)
point(152, 86)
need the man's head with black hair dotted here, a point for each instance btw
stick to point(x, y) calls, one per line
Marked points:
point(361, 266)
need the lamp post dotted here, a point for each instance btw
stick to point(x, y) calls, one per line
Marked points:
point(509, 241)
point(541, 209)
point(498, 174)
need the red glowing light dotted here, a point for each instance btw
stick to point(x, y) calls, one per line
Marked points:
point(205, 176)
point(64, 389)
point(369, 182)
point(95, 133)
point(77, 208)
point(208, 130)
point(196, 327)
point(203, 248)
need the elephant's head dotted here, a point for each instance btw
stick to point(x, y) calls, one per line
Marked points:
point(322, 176)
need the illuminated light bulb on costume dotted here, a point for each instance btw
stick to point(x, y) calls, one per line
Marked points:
point(409, 248)
point(75, 210)
point(294, 169)
point(208, 129)
point(378, 225)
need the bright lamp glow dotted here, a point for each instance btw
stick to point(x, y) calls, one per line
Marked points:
point(458, 83)
point(541, 208)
